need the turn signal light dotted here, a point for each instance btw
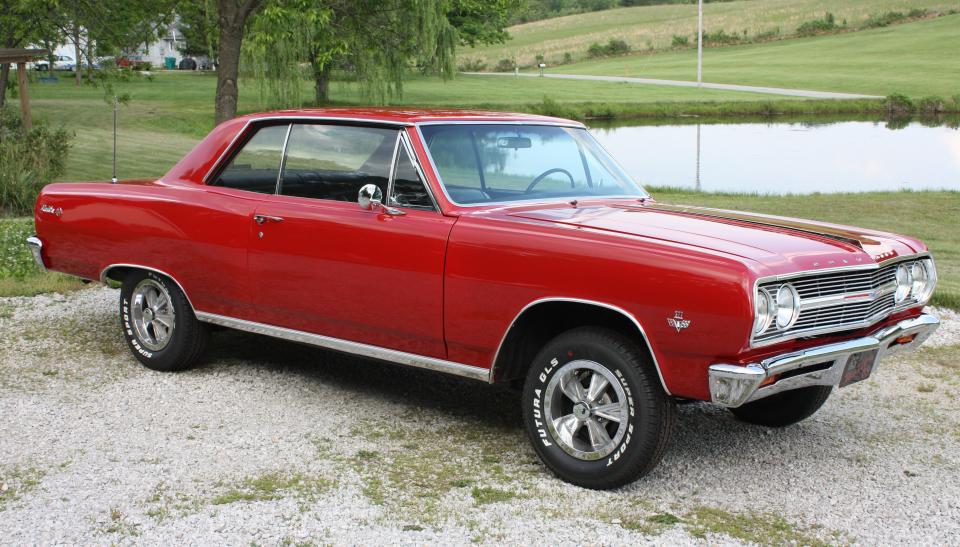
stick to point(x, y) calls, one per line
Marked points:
point(904, 340)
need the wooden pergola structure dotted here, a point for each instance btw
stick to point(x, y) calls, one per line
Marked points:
point(21, 57)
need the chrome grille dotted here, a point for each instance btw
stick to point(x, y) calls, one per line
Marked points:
point(838, 301)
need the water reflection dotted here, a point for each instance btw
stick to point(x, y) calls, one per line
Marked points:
point(795, 157)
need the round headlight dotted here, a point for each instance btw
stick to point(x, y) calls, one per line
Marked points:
point(764, 311)
point(904, 283)
point(924, 279)
point(788, 306)
point(919, 274)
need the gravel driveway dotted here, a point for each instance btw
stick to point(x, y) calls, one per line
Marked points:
point(273, 443)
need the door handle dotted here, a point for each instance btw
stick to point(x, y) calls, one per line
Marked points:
point(260, 219)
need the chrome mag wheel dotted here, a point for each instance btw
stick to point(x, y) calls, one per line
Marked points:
point(152, 314)
point(586, 409)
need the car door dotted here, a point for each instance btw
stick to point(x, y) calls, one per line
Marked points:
point(321, 264)
point(213, 247)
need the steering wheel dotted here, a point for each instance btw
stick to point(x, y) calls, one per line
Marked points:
point(548, 172)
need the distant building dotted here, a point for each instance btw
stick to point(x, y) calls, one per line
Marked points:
point(155, 53)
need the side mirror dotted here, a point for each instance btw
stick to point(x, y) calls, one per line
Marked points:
point(370, 195)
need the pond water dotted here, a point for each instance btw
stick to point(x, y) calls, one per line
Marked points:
point(788, 158)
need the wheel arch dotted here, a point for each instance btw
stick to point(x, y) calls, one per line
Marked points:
point(117, 272)
point(541, 320)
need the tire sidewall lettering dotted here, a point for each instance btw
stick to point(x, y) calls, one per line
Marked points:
point(537, 403)
point(125, 315)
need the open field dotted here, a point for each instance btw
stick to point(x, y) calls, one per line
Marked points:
point(274, 443)
point(914, 59)
point(653, 27)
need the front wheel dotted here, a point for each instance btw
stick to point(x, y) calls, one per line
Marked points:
point(594, 409)
point(159, 324)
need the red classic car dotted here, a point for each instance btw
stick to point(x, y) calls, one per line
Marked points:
point(497, 247)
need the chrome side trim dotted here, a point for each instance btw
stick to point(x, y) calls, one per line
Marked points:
point(291, 119)
point(621, 311)
point(36, 249)
point(278, 186)
point(354, 348)
point(734, 385)
point(105, 274)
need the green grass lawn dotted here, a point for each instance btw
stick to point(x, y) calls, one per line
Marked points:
point(917, 59)
point(932, 216)
point(653, 27)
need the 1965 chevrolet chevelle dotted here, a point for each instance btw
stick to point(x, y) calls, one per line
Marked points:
point(498, 247)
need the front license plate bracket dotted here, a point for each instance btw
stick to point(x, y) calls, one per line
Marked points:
point(859, 367)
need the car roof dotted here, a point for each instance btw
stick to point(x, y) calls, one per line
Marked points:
point(411, 116)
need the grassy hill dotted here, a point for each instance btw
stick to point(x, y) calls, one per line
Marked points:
point(653, 27)
point(919, 58)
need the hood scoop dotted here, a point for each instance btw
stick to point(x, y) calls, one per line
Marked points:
point(841, 236)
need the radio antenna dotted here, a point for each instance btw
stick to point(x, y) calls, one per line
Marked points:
point(114, 180)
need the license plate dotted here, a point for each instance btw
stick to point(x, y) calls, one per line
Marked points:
point(859, 366)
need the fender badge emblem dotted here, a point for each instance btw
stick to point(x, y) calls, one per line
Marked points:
point(677, 321)
point(50, 209)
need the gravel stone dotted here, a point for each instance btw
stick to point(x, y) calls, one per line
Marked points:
point(272, 442)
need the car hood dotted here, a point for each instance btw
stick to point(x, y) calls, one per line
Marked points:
point(778, 244)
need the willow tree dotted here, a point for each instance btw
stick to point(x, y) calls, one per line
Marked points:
point(375, 42)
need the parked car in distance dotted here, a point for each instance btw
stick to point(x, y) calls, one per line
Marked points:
point(61, 62)
point(500, 248)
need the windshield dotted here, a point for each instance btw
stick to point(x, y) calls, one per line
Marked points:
point(495, 163)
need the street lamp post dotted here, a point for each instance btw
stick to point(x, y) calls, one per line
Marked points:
point(699, 43)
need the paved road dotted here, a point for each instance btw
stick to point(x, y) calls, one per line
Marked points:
point(681, 83)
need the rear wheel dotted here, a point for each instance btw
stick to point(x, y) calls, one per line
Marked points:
point(158, 322)
point(785, 408)
point(594, 409)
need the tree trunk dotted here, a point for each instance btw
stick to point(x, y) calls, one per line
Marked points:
point(233, 18)
point(77, 59)
point(322, 84)
point(4, 78)
point(227, 71)
point(89, 59)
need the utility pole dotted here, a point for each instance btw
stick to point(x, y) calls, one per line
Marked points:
point(699, 43)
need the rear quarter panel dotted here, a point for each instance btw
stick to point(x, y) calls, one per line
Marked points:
point(197, 236)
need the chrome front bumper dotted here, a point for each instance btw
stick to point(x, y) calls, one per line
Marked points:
point(36, 247)
point(734, 385)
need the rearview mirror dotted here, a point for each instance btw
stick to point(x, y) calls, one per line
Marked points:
point(370, 195)
point(514, 142)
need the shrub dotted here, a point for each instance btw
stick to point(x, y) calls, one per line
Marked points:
point(720, 37)
point(28, 161)
point(550, 107)
point(567, 57)
point(614, 47)
point(891, 17)
point(932, 105)
point(818, 26)
point(15, 259)
point(680, 41)
point(472, 65)
point(898, 105)
point(505, 65)
point(767, 35)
